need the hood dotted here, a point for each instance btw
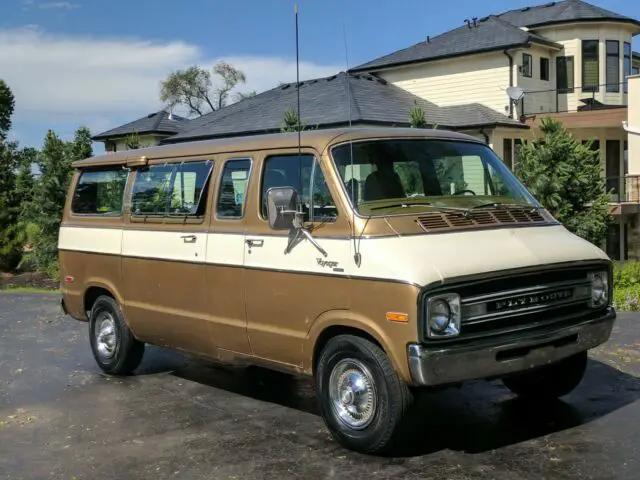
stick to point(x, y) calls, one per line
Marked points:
point(428, 258)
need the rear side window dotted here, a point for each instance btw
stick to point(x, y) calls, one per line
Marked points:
point(171, 189)
point(100, 192)
point(233, 187)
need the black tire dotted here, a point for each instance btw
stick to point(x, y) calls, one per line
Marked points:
point(120, 353)
point(550, 382)
point(392, 396)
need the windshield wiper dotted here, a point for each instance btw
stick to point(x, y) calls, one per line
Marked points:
point(419, 204)
point(514, 206)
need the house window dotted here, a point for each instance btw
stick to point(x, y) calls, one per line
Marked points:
point(544, 69)
point(507, 152)
point(527, 65)
point(564, 74)
point(627, 65)
point(613, 66)
point(590, 66)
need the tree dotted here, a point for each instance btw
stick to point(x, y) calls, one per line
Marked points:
point(133, 141)
point(193, 88)
point(7, 106)
point(292, 122)
point(45, 212)
point(10, 248)
point(417, 118)
point(238, 97)
point(565, 176)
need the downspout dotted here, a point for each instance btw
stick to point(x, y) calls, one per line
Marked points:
point(505, 51)
point(486, 136)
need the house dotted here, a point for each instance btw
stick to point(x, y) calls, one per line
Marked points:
point(569, 60)
point(150, 131)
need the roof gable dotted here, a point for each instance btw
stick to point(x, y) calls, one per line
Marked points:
point(561, 12)
point(157, 122)
point(489, 34)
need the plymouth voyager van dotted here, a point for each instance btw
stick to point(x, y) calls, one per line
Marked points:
point(377, 260)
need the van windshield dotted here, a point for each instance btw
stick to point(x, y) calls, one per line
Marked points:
point(381, 176)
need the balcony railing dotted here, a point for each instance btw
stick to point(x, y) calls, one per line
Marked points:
point(624, 189)
point(576, 99)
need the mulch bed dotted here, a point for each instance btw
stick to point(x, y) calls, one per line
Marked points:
point(27, 280)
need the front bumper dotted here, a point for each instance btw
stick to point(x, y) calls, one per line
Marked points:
point(491, 358)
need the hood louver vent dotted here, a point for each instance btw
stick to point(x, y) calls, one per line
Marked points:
point(441, 221)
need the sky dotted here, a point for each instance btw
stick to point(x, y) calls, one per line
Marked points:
point(99, 63)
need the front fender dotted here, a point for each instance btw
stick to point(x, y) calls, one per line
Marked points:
point(392, 337)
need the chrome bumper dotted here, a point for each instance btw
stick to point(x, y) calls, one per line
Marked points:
point(489, 358)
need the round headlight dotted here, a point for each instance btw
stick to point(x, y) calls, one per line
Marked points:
point(597, 289)
point(439, 316)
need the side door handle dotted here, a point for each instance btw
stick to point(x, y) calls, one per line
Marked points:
point(254, 243)
point(189, 238)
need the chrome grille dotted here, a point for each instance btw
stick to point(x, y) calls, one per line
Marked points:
point(523, 301)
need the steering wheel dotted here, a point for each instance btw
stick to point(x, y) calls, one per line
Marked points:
point(463, 191)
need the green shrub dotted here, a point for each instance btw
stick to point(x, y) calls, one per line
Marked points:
point(626, 286)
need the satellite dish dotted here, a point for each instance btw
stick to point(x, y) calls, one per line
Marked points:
point(515, 93)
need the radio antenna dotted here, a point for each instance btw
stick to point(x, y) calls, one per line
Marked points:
point(352, 192)
point(295, 9)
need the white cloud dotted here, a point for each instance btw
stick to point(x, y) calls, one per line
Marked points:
point(103, 82)
point(58, 5)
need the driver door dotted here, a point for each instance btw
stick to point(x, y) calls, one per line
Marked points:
point(285, 293)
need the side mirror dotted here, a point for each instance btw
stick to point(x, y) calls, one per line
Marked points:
point(282, 205)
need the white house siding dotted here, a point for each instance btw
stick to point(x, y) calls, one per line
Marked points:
point(456, 81)
point(540, 94)
point(145, 141)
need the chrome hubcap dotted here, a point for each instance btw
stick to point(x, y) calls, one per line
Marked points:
point(106, 335)
point(353, 393)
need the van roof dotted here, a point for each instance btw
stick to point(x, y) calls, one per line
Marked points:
point(318, 139)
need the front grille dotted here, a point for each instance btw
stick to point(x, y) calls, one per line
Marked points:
point(523, 302)
point(440, 220)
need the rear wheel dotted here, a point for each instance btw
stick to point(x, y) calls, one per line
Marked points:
point(114, 347)
point(550, 382)
point(361, 397)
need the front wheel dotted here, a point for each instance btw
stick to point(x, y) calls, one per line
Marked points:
point(550, 382)
point(361, 397)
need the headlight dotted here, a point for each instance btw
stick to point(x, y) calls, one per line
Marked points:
point(599, 289)
point(443, 316)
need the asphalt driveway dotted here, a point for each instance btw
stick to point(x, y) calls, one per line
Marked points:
point(178, 417)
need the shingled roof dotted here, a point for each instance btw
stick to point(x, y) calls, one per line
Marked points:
point(157, 122)
point(489, 34)
point(562, 12)
point(324, 102)
point(496, 32)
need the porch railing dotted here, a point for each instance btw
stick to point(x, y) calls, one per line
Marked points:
point(574, 99)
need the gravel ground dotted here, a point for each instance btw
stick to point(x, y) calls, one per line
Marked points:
point(61, 418)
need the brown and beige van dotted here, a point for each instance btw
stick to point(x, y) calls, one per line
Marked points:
point(377, 260)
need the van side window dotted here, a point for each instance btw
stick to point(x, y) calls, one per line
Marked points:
point(295, 171)
point(171, 189)
point(100, 192)
point(233, 185)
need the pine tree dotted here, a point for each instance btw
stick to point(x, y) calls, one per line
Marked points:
point(49, 196)
point(7, 107)
point(565, 176)
point(10, 249)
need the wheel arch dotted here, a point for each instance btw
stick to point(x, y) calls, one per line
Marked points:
point(334, 323)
